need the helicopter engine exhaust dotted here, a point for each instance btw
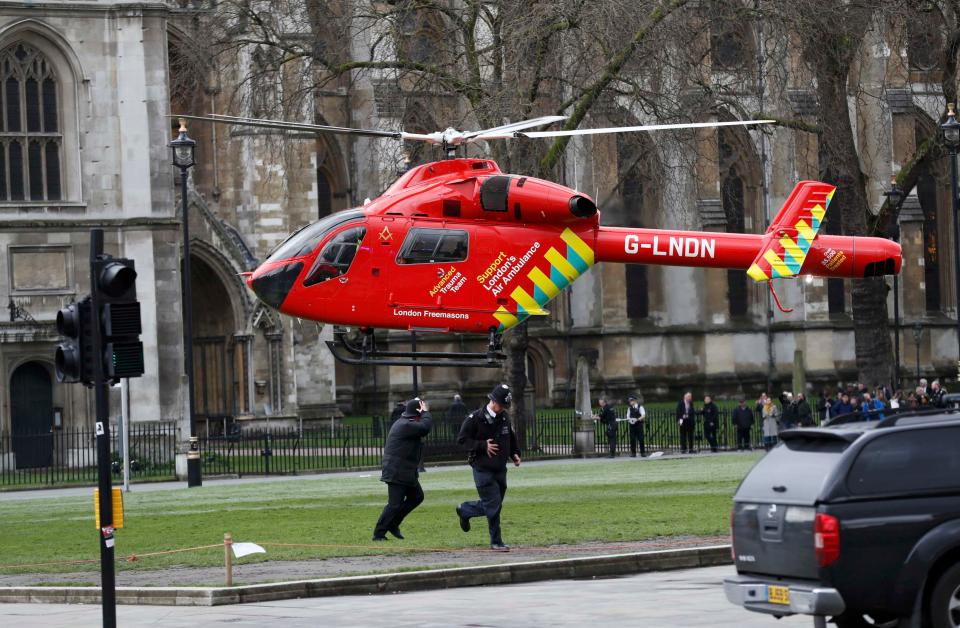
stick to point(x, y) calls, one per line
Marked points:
point(535, 200)
point(582, 207)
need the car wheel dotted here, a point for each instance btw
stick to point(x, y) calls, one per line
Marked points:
point(945, 600)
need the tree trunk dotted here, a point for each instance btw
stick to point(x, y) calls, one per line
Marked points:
point(840, 165)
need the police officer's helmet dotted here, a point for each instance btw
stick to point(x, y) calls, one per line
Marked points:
point(412, 408)
point(502, 395)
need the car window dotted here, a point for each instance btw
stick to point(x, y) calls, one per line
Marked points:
point(792, 472)
point(337, 255)
point(907, 461)
point(304, 241)
point(424, 246)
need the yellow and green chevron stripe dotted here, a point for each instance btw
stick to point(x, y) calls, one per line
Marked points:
point(783, 255)
point(547, 283)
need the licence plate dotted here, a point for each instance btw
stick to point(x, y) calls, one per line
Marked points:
point(778, 595)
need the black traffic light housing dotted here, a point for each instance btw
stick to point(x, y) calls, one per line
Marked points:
point(119, 316)
point(74, 357)
point(118, 323)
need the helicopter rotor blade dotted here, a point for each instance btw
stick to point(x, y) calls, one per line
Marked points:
point(508, 129)
point(291, 126)
point(630, 129)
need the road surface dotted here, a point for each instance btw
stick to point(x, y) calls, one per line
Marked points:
point(685, 599)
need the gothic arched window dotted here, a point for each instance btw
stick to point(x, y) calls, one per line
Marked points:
point(634, 173)
point(925, 38)
point(31, 137)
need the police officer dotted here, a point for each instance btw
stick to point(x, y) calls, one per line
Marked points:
point(401, 455)
point(609, 419)
point(490, 441)
point(636, 414)
point(711, 419)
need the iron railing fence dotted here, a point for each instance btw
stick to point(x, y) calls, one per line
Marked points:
point(68, 456)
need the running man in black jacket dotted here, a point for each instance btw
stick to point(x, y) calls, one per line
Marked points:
point(490, 441)
point(401, 455)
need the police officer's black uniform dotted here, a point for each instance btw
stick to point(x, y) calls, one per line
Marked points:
point(401, 455)
point(636, 428)
point(711, 418)
point(489, 472)
point(609, 419)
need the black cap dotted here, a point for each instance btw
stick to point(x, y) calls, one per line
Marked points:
point(501, 394)
point(412, 408)
point(632, 398)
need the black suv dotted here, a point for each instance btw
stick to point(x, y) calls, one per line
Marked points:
point(858, 521)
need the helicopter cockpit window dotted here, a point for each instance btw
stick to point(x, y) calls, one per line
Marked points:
point(425, 246)
point(304, 241)
point(337, 255)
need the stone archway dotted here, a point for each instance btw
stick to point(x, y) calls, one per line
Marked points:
point(332, 184)
point(220, 357)
point(740, 193)
point(31, 414)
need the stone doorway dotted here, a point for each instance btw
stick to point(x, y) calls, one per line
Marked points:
point(31, 411)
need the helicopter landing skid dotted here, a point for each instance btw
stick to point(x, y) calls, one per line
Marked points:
point(366, 353)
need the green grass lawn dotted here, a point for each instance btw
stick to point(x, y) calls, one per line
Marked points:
point(608, 501)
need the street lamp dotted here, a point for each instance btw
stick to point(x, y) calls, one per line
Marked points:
point(184, 149)
point(917, 337)
point(895, 196)
point(951, 137)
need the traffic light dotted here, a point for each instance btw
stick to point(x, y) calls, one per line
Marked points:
point(74, 357)
point(119, 316)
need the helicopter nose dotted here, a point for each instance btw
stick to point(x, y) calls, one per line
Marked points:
point(273, 284)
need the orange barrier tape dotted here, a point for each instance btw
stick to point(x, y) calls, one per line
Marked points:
point(378, 548)
point(131, 558)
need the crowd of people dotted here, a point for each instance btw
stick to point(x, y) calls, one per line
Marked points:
point(858, 398)
point(786, 411)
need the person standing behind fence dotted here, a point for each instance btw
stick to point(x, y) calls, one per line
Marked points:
point(456, 413)
point(711, 419)
point(804, 412)
point(770, 415)
point(743, 420)
point(841, 406)
point(789, 416)
point(609, 420)
point(490, 441)
point(401, 456)
point(686, 420)
point(396, 413)
point(636, 415)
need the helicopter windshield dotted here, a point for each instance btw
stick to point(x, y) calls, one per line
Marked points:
point(305, 240)
point(337, 255)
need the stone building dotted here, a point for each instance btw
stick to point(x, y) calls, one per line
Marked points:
point(88, 88)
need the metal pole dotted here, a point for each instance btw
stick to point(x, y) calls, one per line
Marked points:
point(413, 348)
point(896, 334)
point(125, 431)
point(765, 183)
point(956, 244)
point(193, 462)
point(108, 593)
point(918, 357)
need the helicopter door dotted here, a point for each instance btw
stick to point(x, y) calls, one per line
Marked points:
point(432, 260)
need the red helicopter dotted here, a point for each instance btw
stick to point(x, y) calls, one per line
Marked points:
point(459, 246)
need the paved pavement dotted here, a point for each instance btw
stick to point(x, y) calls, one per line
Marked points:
point(685, 599)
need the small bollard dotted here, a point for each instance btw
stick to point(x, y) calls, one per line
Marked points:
point(228, 557)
